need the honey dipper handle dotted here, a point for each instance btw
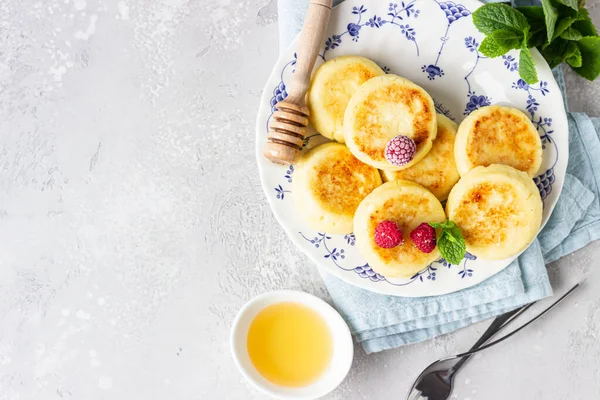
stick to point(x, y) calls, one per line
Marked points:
point(311, 40)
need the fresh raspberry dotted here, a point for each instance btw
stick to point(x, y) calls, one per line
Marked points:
point(400, 150)
point(387, 235)
point(423, 236)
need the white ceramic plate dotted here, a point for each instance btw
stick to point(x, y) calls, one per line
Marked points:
point(434, 44)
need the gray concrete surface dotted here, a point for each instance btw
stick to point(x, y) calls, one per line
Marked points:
point(130, 205)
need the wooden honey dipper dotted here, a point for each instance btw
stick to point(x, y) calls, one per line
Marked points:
point(289, 121)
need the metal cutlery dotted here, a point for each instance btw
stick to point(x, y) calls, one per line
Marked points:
point(436, 381)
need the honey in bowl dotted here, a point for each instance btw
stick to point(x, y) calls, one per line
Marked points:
point(289, 344)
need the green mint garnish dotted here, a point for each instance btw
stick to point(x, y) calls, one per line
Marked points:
point(561, 30)
point(451, 242)
point(490, 48)
point(495, 16)
point(574, 56)
point(508, 39)
point(570, 3)
point(526, 65)
point(584, 24)
point(589, 47)
point(551, 16)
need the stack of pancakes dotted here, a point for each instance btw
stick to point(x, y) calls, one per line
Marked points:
point(484, 168)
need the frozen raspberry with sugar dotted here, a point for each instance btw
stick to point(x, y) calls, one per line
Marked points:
point(423, 236)
point(387, 235)
point(400, 150)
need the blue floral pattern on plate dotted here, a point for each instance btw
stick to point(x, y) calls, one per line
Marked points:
point(546, 179)
point(474, 101)
point(337, 254)
point(397, 12)
point(432, 43)
point(453, 13)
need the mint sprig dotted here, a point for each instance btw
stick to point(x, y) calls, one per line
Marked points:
point(589, 47)
point(571, 34)
point(491, 48)
point(451, 242)
point(527, 69)
point(584, 24)
point(495, 16)
point(570, 3)
point(574, 59)
point(551, 16)
point(559, 29)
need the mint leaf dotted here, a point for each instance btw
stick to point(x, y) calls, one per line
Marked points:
point(532, 13)
point(589, 47)
point(571, 49)
point(551, 16)
point(492, 17)
point(574, 56)
point(570, 3)
point(507, 39)
point(451, 248)
point(503, 34)
point(562, 25)
point(566, 11)
point(571, 34)
point(562, 50)
point(527, 69)
point(451, 242)
point(584, 24)
point(537, 39)
point(455, 233)
point(535, 17)
point(490, 48)
point(556, 52)
point(442, 225)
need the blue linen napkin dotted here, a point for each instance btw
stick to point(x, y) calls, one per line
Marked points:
point(381, 322)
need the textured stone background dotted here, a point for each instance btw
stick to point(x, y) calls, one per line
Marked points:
point(130, 212)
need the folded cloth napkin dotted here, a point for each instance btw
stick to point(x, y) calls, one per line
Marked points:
point(381, 322)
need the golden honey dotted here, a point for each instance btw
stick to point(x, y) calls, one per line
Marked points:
point(289, 344)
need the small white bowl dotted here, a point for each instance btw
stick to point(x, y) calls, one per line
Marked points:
point(343, 349)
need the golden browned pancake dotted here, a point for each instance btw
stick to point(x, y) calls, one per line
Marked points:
point(331, 88)
point(382, 108)
point(408, 205)
point(498, 209)
point(498, 135)
point(437, 170)
point(329, 183)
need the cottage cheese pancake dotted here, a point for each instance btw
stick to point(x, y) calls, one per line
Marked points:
point(498, 209)
point(383, 108)
point(498, 135)
point(408, 205)
point(331, 88)
point(437, 170)
point(329, 183)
